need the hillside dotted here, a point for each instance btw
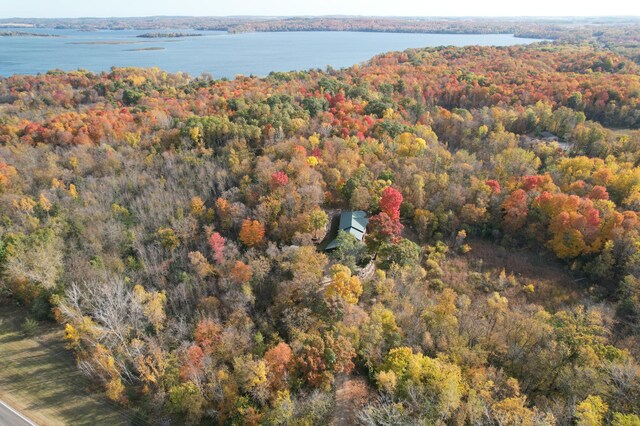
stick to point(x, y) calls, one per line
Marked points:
point(169, 225)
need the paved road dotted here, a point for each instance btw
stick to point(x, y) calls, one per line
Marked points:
point(10, 417)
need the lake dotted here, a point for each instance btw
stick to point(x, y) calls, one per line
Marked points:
point(217, 53)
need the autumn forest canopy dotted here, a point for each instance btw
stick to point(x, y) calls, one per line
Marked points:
point(172, 226)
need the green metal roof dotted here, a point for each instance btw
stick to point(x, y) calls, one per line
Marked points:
point(353, 222)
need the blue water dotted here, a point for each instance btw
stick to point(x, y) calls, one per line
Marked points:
point(217, 53)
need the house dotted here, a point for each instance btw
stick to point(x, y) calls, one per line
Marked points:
point(353, 222)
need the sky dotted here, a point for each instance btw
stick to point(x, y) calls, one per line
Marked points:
point(121, 8)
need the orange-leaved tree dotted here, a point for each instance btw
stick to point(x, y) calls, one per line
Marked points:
point(251, 233)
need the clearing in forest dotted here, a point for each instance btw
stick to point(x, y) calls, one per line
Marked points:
point(38, 377)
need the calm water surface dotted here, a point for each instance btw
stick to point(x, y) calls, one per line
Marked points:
point(217, 53)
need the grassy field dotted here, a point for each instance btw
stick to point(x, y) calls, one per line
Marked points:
point(555, 287)
point(38, 376)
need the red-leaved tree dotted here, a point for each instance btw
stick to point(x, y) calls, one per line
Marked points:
point(390, 202)
point(382, 228)
point(216, 242)
point(279, 178)
point(515, 210)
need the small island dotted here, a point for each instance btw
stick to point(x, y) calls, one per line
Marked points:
point(106, 42)
point(169, 35)
point(144, 49)
point(24, 34)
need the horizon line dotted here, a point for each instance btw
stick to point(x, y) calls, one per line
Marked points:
point(335, 16)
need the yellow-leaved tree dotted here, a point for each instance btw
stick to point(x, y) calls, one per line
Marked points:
point(343, 285)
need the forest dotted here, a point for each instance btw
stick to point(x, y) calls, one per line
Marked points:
point(171, 224)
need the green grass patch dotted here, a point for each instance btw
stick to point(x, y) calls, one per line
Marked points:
point(38, 376)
